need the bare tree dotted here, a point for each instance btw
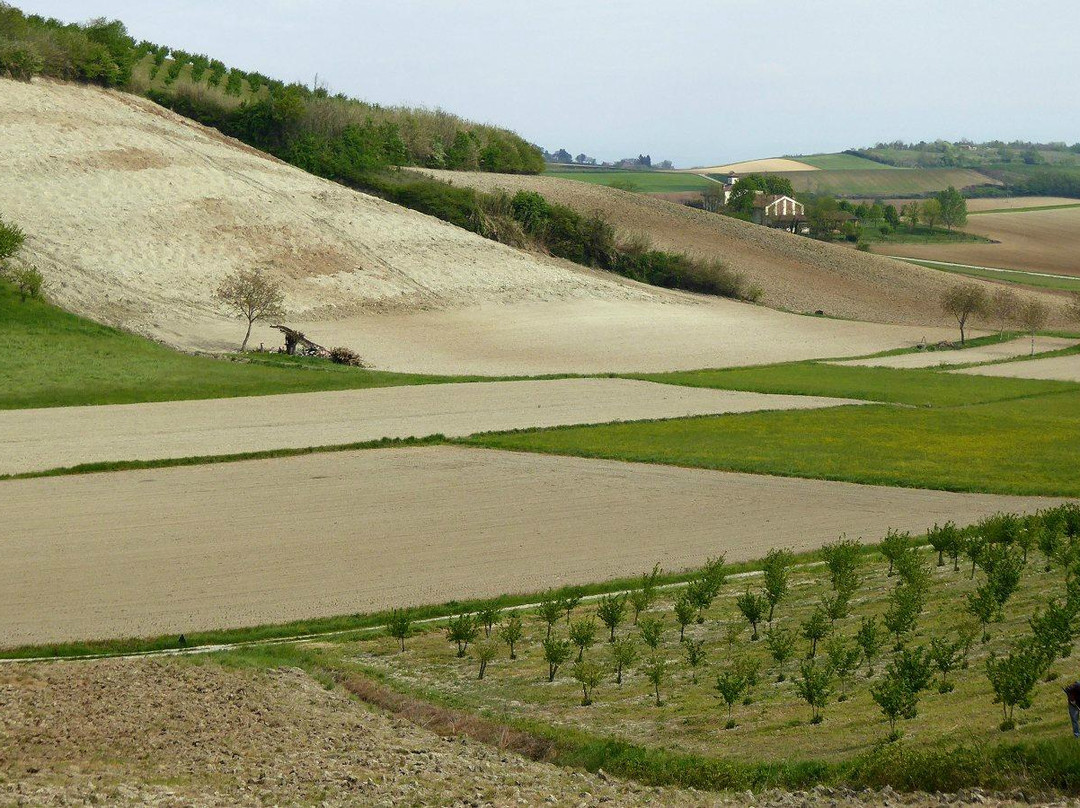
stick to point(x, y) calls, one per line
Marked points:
point(1034, 317)
point(964, 302)
point(250, 294)
point(1004, 307)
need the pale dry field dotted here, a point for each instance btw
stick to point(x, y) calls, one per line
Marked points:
point(982, 353)
point(56, 437)
point(135, 214)
point(1011, 202)
point(1036, 241)
point(176, 550)
point(1061, 368)
point(795, 273)
point(750, 166)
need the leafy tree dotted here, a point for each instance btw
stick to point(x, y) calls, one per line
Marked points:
point(398, 626)
point(836, 606)
point(489, 614)
point(750, 670)
point(842, 560)
point(953, 208)
point(642, 597)
point(1034, 316)
point(843, 659)
point(945, 655)
point(612, 611)
point(253, 295)
point(704, 588)
point(1004, 307)
point(824, 217)
point(931, 212)
point(983, 606)
point(944, 539)
point(652, 629)
point(582, 634)
point(588, 675)
point(902, 615)
point(895, 699)
point(571, 601)
point(815, 628)
point(655, 670)
point(893, 545)
point(485, 651)
point(695, 655)
point(462, 630)
point(685, 614)
point(912, 212)
point(28, 281)
point(962, 302)
point(777, 564)
point(911, 570)
point(1013, 678)
point(1054, 631)
point(624, 652)
point(550, 611)
point(731, 684)
point(781, 644)
point(869, 639)
point(511, 633)
point(11, 240)
point(556, 652)
point(892, 216)
point(753, 607)
point(814, 686)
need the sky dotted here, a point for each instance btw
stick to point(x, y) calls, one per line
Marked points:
point(698, 82)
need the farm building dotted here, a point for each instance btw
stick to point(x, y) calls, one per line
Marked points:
point(776, 210)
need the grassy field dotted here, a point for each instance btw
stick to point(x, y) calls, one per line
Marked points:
point(1016, 276)
point(52, 358)
point(644, 181)
point(842, 162)
point(989, 437)
point(883, 184)
point(954, 741)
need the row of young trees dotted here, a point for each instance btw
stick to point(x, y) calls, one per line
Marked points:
point(998, 549)
point(1004, 309)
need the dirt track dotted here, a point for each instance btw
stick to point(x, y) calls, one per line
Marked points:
point(36, 440)
point(174, 550)
point(983, 353)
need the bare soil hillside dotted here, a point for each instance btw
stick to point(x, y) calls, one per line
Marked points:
point(795, 273)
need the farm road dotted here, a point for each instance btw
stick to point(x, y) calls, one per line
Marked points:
point(173, 550)
point(37, 440)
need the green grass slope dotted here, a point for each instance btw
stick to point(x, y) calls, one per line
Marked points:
point(644, 181)
point(841, 162)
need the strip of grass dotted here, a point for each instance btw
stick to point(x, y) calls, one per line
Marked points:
point(1029, 447)
point(52, 358)
point(1016, 276)
point(1025, 210)
point(917, 387)
point(644, 181)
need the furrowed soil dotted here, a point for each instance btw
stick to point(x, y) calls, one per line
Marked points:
point(983, 353)
point(59, 437)
point(171, 551)
point(1061, 368)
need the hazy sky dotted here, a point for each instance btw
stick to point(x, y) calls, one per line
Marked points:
point(696, 82)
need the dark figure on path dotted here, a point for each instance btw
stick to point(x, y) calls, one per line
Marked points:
point(1072, 693)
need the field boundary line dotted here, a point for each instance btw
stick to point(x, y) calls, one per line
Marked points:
point(909, 259)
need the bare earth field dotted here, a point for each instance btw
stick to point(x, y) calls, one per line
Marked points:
point(36, 440)
point(1037, 241)
point(983, 353)
point(1062, 368)
point(750, 166)
point(175, 550)
point(795, 273)
point(1012, 202)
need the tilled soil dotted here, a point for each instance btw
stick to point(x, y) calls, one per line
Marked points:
point(174, 733)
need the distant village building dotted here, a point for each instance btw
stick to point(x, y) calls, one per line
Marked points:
point(777, 210)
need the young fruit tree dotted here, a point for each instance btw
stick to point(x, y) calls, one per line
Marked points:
point(731, 685)
point(945, 655)
point(398, 626)
point(685, 613)
point(775, 569)
point(582, 634)
point(869, 638)
point(485, 651)
point(489, 614)
point(652, 630)
point(944, 539)
point(749, 669)
point(897, 693)
point(781, 643)
point(252, 295)
point(571, 601)
point(588, 675)
point(642, 597)
point(1033, 317)
point(655, 670)
point(1004, 308)
point(624, 653)
point(462, 630)
point(695, 656)
point(550, 611)
point(612, 611)
point(963, 302)
point(511, 633)
point(11, 239)
point(893, 546)
point(1013, 678)
point(816, 628)
point(814, 686)
point(754, 608)
point(556, 652)
point(843, 659)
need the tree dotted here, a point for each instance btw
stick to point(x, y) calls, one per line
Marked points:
point(489, 614)
point(953, 208)
point(753, 607)
point(588, 675)
point(572, 600)
point(930, 212)
point(685, 614)
point(624, 653)
point(511, 633)
point(962, 302)
point(893, 545)
point(892, 216)
point(905, 605)
point(895, 699)
point(912, 212)
point(583, 635)
point(28, 281)
point(612, 611)
point(550, 611)
point(485, 652)
point(462, 630)
point(824, 217)
point(651, 629)
point(556, 652)
point(704, 588)
point(642, 597)
point(869, 639)
point(730, 684)
point(945, 655)
point(775, 569)
point(655, 669)
point(815, 628)
point(695, 655)
point(1013, 678)
point(781, 644)
point(252, 295)
point(398, 626)
point(983, 606)
point(1034, 316)
point(836, 606)
point(749, 669)
point(843, 659)
point(1004, 308)
point(814, 687)
point(11, 240)
point(945, 539)
point(842, 560)
point(1054, 631)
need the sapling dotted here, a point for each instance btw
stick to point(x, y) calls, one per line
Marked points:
point(398, 626)
point(571, 601)
point(550, 611)
point(485, 651)
point(945, 539)
point(775, 569)
point(462, 630)
point(842, 560)
point(750, 670)
point(556, 652)
point(655, 669)
point(695, 655)
point(870, 638)
point(642, 597)
point(612, 611)
point(582, 634)
point(945, 655)
point(1013, 678)
point(753, 607)
point(781, 643)
point(511, 633)
point(588, 675)
point(730, 684)
point(489, 614)
point(893, 545)
point(624, 652)
point(815, 628)
point(685, 614)
point(814, 686)
point(843, 659)
point(652, 630)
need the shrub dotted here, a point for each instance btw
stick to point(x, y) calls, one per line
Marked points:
point(346, 356)
point(11, 239)
point(20, 61)
point(28, 281)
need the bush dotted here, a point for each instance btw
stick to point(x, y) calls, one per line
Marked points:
point(11, 239)
point(20, 61)
point(346, 356)
point(28, 281)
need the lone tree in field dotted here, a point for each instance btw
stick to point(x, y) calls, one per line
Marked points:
point(953, 208)
point(398, 626)
point(963, 302)
point(1033, 317)
point(251, 294)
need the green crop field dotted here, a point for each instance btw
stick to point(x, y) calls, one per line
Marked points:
point(964, 434)
point(52, 358)
point(644, 181)
point(1016, 276)
point(841, 162)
